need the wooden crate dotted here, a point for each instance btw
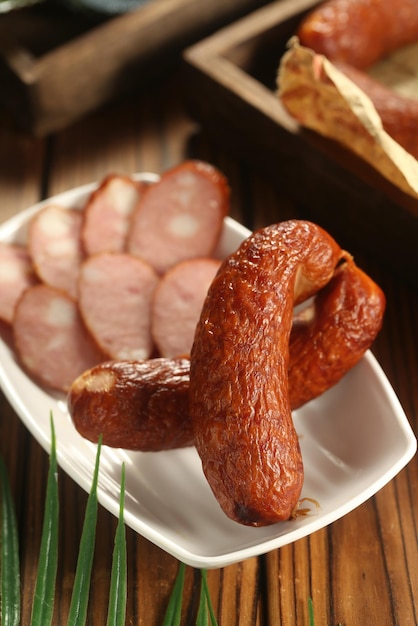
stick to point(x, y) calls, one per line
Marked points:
point(231, 89)
point(56, 66)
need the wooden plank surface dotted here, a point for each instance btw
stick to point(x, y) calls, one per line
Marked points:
point(47, 87)
point(361, 569)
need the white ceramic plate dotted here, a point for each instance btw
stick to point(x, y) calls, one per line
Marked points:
point(354, 440)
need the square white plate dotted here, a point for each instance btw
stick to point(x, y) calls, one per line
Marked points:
point(168, 499)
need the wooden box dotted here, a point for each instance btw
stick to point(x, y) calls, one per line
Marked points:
point(55, 65)
point(231, 89)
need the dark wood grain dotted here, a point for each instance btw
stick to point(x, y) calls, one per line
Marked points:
point(359, 570)
point(57, 65)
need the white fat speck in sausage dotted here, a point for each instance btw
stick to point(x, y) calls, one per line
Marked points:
point(115, 292)
point(51, 340)
point(55, 248)
point(108, 212)
point(181, 216)
point(177, 305)
point(16, 274)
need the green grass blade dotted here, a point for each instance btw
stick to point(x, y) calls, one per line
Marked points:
point(202, 613)
point(81, 589)
point(311, 612)
point(173, 614)
point(205, 588)
point(118, 583)
point(43, 601)
point(10, 567)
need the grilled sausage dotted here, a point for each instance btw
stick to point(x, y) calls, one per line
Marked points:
point(360, 32)
point(121, 400)
point(239, 389)
point(355, 34)
point(134, 405)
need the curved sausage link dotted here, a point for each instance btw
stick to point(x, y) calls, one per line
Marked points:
point(239, 392)
point(341, 325)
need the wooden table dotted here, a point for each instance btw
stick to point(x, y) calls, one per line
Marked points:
point(362, 569)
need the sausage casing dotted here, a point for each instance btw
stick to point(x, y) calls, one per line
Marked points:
point(360, 32)
point(134, 405)
point(354, 35)
point(345, 318)
point(239, 392)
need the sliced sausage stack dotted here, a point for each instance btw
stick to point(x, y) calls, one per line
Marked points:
point(103, 283)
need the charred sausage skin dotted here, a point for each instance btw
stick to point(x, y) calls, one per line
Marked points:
point(345, 318)
point(360, 32)
point(239, 390)
point(137, 405)
point(354, 35)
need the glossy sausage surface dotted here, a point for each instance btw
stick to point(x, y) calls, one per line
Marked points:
point(134, 405)
point(239, 389)
point(332, 336)
point(354, 35)
point(360, 32)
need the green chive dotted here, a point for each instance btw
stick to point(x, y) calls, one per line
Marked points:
point(81, 589)
point(208, 600)
point(43, 601)
point(202, 613)
point(311, 612)
point(173, 614)
point(118, 582)
point(9, 572)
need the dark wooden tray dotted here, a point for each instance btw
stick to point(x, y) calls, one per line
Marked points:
point(55, 66)
point(231, 89)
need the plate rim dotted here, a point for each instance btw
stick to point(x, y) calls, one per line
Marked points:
point(139, 525)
